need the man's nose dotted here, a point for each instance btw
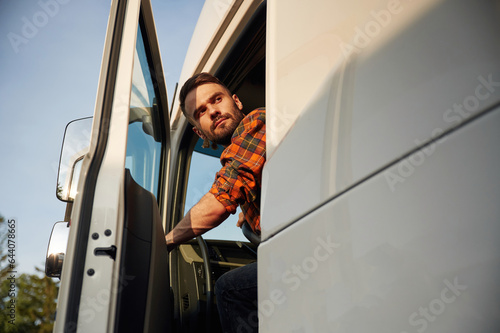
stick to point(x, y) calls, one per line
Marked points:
point(213, 111)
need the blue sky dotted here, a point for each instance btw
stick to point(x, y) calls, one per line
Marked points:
point(50, 57)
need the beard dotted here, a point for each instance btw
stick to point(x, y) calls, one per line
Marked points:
point(223, 133)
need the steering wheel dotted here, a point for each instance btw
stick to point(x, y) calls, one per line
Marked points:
point(250, 234)
point(208, 280)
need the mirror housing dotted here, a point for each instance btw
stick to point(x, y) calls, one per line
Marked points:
point(56, 249)
point(75, 145)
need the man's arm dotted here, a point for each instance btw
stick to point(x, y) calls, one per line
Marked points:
point(205, 215)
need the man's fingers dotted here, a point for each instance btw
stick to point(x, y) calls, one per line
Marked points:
point(241, 220)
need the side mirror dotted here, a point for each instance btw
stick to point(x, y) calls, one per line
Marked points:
point(75, 146)
point(56, 249)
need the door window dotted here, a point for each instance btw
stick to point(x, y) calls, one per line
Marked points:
point(144, 134)
point(201, 177)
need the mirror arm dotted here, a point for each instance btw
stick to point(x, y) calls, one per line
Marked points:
point(67, 213)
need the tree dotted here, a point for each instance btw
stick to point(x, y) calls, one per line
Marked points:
point(4, 263)
point(27, 301)
point(35, 304)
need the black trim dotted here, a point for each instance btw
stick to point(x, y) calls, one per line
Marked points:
point(161, 114)
point(141, 213)
point(246, 52)
point(82, 234)
point(243, 68)
point(176, 210)
point(150, 39)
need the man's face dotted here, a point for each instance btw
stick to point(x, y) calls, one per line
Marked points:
point(215, 113)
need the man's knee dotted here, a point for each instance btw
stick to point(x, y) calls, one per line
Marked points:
point(220, 286)
point(238, 282)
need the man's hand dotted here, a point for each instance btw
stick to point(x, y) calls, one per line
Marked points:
point(241, 220)
point(170, 242)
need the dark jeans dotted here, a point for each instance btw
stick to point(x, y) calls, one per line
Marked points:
point(236, 293)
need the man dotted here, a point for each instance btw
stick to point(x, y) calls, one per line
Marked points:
point(217, 117)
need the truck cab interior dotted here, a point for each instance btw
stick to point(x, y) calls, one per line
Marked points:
point(195, 266)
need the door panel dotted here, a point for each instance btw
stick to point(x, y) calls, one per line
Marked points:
point(130, 131)
point(143, 303)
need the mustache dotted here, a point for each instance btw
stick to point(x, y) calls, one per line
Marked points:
point(228, 116)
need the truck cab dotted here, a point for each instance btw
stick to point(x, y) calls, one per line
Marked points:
point(379, 200)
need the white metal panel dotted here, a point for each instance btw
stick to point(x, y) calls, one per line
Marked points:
point(211, 16)
point(421, 255)
point(97, 302)
point(399, 74)
point(66, 274)
point(98, 296)
point(302, 47)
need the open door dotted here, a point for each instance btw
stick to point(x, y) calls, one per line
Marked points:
point(115, 276)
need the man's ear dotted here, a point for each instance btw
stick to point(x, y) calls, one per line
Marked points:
point(200, 134)
point(238, 102)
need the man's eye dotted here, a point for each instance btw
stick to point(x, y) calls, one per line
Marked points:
point(218, 99)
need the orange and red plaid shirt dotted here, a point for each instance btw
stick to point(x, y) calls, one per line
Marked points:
point(239, 180)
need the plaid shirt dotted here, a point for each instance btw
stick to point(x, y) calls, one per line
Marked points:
point(239, 180)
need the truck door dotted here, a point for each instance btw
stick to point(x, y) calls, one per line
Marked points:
point(115, 275)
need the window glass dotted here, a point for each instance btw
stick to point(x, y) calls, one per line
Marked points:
point(144, 131)
point(201, 177)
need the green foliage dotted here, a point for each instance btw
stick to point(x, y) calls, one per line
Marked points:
point(27, 301)
point(4, 264)
point(34, 301)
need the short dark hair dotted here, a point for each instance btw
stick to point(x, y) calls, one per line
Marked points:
point(194, 82)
